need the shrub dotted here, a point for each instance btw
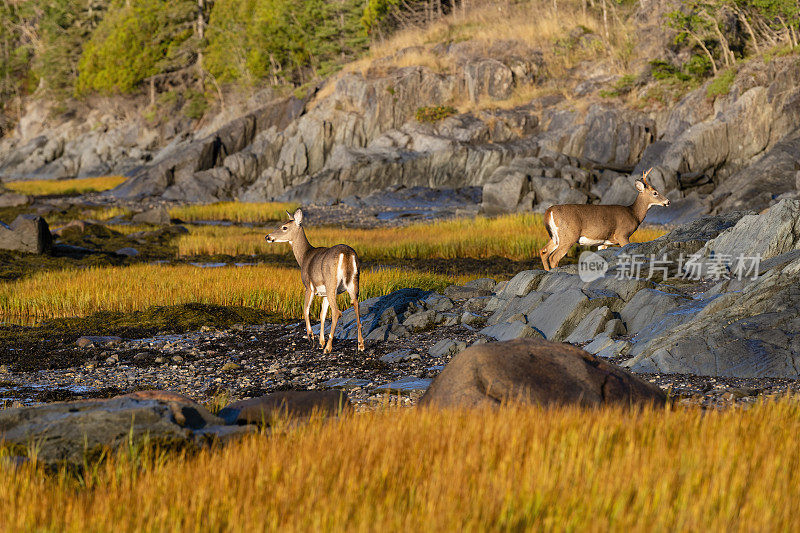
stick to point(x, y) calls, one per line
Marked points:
point(721, 85)
point(434, 113)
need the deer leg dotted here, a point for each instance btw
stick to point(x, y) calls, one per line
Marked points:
point(546, 252)
point(322, 314)
point(559, 253)
point(307, 310)
point(354, 298)
point(335, 314)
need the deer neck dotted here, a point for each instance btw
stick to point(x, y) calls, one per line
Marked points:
point(639, 208)
point(301, 247)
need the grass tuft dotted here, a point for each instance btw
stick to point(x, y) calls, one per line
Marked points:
point(58, 187)
point(240, 212)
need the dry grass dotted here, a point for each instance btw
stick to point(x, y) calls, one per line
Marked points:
point(241, 212)
point(541, 24)
point(277, 290)
point(73, 186)
point(517, 237)
point(512, 469)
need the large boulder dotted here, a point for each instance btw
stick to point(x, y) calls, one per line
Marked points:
point(12, 199)
point(28, 233)
point(70, 432)
point(538, 372)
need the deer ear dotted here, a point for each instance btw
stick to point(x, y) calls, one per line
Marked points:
point(298, 217)
point(639, 186)
point(288, 214)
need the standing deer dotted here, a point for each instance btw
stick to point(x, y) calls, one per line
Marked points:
point(324, 272)
point(591, 224)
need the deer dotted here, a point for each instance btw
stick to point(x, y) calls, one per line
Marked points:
point(593, 224)
point(325, 272)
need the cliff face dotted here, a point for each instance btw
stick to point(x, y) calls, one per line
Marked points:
point(359, 134)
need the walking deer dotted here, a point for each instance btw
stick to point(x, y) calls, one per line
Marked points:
point(324, 272)
point(591, 224)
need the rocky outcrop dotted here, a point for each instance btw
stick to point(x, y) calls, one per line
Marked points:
point(536, 372)
point(288, 404)
point(28, 233)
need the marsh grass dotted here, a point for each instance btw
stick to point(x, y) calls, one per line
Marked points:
point(72, 186)
point(516, 237)
point(511, 469)
point(276, 290)
point(235, 211)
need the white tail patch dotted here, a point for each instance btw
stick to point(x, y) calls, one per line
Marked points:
point(585, 241)
point(553, 228)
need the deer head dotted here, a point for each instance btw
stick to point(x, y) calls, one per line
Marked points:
point(649, 193)
point(289, 230)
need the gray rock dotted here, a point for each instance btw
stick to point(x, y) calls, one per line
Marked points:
point(752, 333)
point(486, 284)
point(506, 331)
point(521, 284)
point(446, 347)
point(775, 232)
point(646, 306)
point(473, 320)
point(404, 385)
point(477, 304)
point(157, 217)
point(438, 302)
point(387, 332)
point(12, 199)
point(89, 340)
point(591, 325)
point(538, 372)
point(68, 432)
point(561, 312)
point(615, 327)
point(127, 251)
point(488, 77)
point(421, 320)
point(516, 305)
point(28, 233)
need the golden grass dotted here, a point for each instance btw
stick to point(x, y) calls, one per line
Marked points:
point(517, 237)
point(512, 469)
point(73, 186)
point(235, 211)
point(278, 290)
point(541, 24)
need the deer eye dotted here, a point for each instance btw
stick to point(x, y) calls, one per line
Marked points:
point(655, 193)
point(284, 228)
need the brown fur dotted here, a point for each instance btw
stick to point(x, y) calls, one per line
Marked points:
point(611, 225)
point(324, 272)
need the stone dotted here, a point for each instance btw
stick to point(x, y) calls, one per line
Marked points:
point(421, 320)
point(90, 340)
point(473, 320)
point(646, 306)
point(286, 404)
point(517, 305)
point(538, 372)
point(127, 251)
point(775, 232)
point(404, 385)
point(561, 312)
point(615, 327)
point(398, 356)
point(69, 432)
point(28, 233)
point(227, 367)
point(488, 77)
point(591, 325)
point(750, 333)
point(486, 284)
point(156, 217)
point(12, 199)
point(446, 347)
point(521, 284)
point(505, 331)
point(387, 332)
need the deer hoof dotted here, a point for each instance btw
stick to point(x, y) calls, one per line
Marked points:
point(361, 346)
point(328, 349)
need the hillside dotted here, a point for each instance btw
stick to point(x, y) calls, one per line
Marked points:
point(533, 102)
